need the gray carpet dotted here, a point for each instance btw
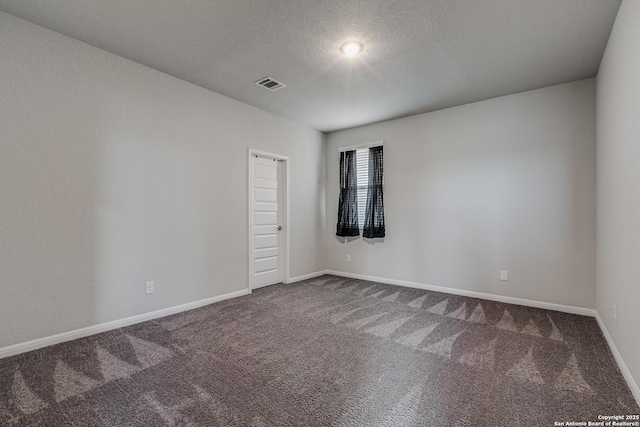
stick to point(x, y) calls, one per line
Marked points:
point(326, 352)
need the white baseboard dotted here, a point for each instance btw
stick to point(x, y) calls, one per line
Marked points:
point(492, 297)
point(307, 276)
point(635, 390)
point(115, 324)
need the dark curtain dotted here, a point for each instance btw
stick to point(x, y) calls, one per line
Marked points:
point(374, 217)
point(348, 202)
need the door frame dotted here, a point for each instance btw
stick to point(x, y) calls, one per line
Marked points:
point(283, 209)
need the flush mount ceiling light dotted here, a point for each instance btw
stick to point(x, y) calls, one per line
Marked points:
point(351, 48)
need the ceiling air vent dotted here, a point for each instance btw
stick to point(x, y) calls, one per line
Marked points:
point(269, 83)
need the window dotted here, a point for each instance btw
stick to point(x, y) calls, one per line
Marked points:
point(362, 168)
point(360, 206)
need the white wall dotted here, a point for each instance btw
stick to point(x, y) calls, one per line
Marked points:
point(113, 174)
point(618, 148)
point(507, 183)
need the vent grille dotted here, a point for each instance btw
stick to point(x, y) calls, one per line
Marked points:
point(271, 84)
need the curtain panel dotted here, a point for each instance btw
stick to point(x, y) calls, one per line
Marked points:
point(348, 202)
point(374, 217)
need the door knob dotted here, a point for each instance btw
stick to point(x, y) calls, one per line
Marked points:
point(279, 228)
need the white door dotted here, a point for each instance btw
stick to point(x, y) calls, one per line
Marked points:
point(265, 205)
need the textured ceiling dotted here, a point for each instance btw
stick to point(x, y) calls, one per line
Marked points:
point(419, 55)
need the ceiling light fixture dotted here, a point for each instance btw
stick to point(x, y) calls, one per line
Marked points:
point(351, 48)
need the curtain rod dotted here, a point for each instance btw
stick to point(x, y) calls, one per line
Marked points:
point(359, 146)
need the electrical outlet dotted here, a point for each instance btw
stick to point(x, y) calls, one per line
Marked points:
point(348, 258)
point(150, 287)
point(504, 275)
point(615, 313)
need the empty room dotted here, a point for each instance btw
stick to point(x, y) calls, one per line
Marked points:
point(319, 213)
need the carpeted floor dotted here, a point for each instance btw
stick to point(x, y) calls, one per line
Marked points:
point(325, 352)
